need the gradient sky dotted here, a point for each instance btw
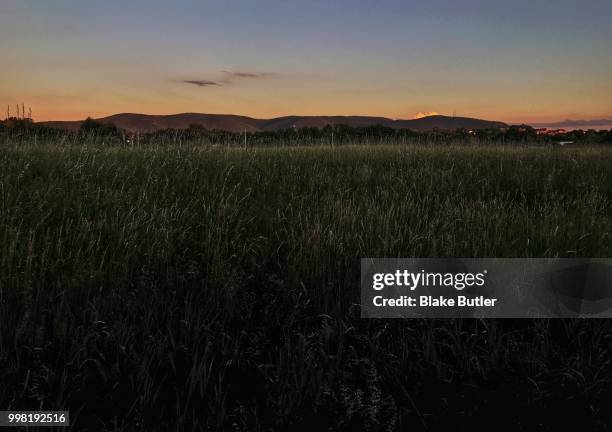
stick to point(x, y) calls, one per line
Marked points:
point(514, 61)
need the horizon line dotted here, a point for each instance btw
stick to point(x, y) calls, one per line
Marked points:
point(602, 121)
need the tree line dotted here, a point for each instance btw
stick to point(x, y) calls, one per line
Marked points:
point(95, 132)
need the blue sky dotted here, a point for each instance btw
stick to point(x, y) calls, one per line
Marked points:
point(512, 61)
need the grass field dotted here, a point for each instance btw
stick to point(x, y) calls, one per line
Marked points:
point(200, 289)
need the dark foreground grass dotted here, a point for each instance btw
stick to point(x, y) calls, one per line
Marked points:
point(184, 289)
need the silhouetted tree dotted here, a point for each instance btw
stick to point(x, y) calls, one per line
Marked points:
point(93, 126)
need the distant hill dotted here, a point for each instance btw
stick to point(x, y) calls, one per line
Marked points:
point(605, 123)
point(235, 123)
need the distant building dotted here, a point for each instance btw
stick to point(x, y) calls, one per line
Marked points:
point(550, 132)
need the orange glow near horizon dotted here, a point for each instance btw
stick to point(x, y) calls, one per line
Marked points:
point(63, 99)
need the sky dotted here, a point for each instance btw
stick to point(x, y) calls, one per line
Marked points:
point(514, 61)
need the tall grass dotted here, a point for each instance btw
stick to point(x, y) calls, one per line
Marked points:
point(176, 288)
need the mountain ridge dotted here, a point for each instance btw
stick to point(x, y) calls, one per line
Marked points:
point(236, 123)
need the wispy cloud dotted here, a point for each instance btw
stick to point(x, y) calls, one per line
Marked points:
point(236, 75)
point(201, 83)
point(230, 77)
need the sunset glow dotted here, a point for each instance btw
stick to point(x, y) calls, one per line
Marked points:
point(424, 114)
point(516, 61)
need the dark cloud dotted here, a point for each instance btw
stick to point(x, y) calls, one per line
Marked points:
point(201, 83)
